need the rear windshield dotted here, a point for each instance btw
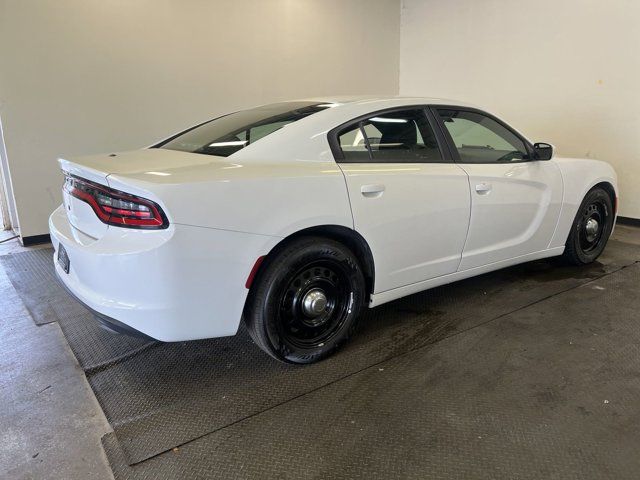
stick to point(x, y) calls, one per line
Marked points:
point(224, 136)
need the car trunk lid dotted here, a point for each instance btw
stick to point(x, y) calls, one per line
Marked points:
point(152, 163)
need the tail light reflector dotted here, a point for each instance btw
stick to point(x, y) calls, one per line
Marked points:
point(253, 272)
point(114, 207)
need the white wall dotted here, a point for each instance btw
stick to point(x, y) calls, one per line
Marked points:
point(87, 76)
point(567, 71)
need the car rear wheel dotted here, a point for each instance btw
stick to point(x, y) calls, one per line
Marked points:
point(305, 301)
point(591, 228)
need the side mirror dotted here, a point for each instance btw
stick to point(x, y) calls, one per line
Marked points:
point(542, 151)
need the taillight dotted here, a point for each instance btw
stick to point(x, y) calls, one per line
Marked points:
point(114, 207)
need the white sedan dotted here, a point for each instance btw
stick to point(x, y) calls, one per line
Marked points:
point(294, 216)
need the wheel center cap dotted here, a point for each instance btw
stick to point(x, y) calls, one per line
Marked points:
point(592, 227)
point(314, 302)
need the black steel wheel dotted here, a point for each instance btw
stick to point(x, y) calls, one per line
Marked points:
point(591, 228)
point(305, 301)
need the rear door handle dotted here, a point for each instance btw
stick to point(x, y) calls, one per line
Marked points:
point(372, 191)
point(483, 188)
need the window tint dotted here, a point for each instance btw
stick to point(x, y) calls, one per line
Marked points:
point(226, 135)
point(402, 136)
point(480, 139)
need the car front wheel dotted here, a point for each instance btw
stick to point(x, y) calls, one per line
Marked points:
point(305, 301)
point(591, 228)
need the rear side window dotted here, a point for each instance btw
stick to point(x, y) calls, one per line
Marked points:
point(353, 145)
point(480, 139)
point(403, 136)
point(226, 135)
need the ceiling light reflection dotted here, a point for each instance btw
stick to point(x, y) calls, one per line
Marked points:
point(234, 143)
point(388, 120)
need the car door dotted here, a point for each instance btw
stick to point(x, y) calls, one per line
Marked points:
point(515, 199)
point(409, 200)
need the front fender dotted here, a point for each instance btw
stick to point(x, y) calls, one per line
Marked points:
point(578, 177)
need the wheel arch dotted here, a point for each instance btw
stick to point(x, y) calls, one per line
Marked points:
point(341, 234)
point(610, 189)
point(575, 252)
point(580, 176)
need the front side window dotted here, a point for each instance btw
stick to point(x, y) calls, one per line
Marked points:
point(226, 135)
point(480, 139)
point(403, 136)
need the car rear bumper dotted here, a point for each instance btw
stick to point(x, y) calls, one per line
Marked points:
point(108, 323)
point(182, 283)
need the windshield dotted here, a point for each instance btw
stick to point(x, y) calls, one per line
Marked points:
point(224, 136)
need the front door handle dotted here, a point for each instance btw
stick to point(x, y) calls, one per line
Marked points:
point(483, 188)
point(372, 191)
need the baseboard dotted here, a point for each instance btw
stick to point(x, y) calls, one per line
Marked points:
point(35, 240)
point(634, 222)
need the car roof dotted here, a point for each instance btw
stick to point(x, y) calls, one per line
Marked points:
point(372, 100)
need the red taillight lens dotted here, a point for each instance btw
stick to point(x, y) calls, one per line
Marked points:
point(114, 207)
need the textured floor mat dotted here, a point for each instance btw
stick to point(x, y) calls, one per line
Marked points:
point(33, 277)
point(171, 394)
point(550, 391)
point(159, 396)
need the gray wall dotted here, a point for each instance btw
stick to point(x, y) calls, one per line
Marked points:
point(88, 76)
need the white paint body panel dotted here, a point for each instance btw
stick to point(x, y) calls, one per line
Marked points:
point(429, 226)
point(416, 227)
point(515, 209)
point(579, 176)
point(162, 283)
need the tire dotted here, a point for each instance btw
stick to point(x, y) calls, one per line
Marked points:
point(305, 301)
point(590, 229)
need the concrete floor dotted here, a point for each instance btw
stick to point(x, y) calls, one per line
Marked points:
point(50, 421)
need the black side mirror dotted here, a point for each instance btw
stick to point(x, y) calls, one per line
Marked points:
point(542, 151)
